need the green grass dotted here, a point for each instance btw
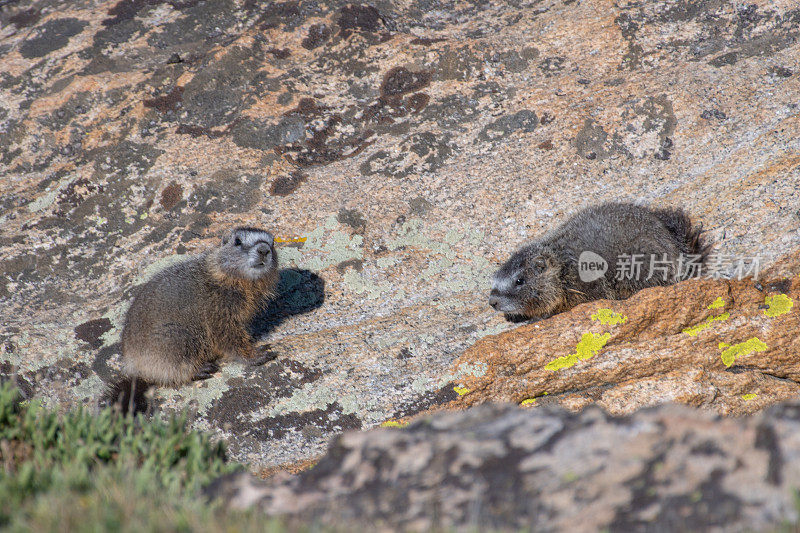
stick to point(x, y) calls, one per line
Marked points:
point(83, 471)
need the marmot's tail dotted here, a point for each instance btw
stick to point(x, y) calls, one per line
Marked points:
point(689, 235)
point(128, 395)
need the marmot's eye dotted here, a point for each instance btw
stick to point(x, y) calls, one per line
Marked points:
point(520, 281)
point(237, 242)
point(540, 264)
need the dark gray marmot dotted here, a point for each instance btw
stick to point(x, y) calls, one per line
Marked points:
point(565, 267)
point(193, 314)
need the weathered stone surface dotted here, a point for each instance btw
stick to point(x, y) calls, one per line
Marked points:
point(729, 345)
point(494, 467)
point(413, 145)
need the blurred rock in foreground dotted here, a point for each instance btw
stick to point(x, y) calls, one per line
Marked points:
point(501, 467)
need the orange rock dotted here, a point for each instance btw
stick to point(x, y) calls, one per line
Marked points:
point(701, 342)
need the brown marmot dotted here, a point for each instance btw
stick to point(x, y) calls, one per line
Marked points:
point(193, 314)
point(593, 256)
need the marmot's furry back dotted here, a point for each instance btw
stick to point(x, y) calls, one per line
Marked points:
point(543, 277)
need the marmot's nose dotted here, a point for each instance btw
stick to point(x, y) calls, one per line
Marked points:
point(262, 249)
point(494, 301)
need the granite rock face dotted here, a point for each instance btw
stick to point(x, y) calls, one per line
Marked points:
point(412, 145)
point(502, 468)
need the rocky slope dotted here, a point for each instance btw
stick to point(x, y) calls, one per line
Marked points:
point(409, 146)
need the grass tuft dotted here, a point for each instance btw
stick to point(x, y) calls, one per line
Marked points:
point(82, 471)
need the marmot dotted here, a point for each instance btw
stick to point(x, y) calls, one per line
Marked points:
point(195, 313)
point(565, 267)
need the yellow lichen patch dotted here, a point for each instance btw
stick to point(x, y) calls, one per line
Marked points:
point(749, 396)
point(461, 391)
point(730, 353)
point(716, 304)
point(780, 304)
point(529, 401)
point(609, 316)
point(693, 331)
point(290, 239)
point(588, 346)
point(393, 424)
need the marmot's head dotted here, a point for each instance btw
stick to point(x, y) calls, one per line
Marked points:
point(529, 284)
point(248, 253)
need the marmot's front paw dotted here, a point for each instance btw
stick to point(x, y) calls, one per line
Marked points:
point(263, 355)
point(206, 371)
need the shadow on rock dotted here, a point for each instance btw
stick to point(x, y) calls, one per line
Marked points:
point(299, 292)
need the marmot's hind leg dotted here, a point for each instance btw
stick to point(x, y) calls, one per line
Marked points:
point(172, 357)
point(159, 368)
